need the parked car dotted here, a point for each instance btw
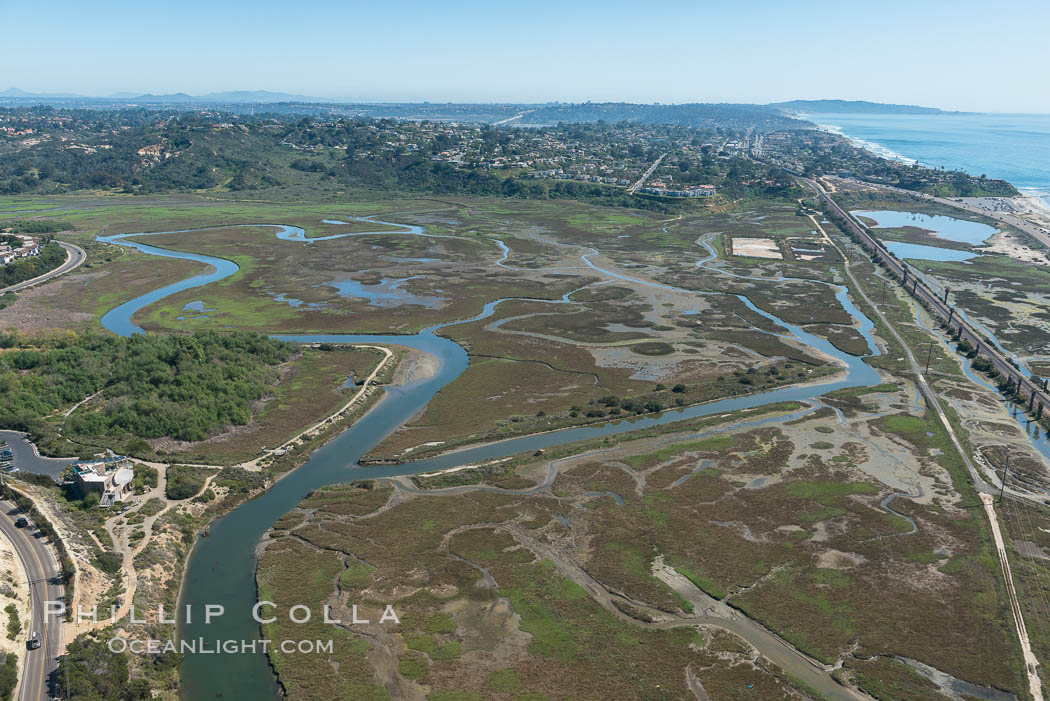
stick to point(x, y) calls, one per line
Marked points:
point(21, 522)
point(34, 642)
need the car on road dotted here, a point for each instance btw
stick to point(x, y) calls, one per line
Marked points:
point(21, 522)
point(34, 642)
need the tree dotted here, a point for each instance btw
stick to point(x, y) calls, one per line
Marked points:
point(92, 672)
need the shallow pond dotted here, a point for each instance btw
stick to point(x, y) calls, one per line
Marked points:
point(950, 228)
point(389, 292)
point(916, 251)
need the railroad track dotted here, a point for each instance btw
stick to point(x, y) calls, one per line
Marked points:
point(1038, 398)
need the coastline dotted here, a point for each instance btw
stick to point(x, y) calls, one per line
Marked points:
point(1037, 201)
point(1035, 194)
point(871, 147)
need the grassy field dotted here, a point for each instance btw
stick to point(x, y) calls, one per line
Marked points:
point(537, 636)
point(78, 300)
point(922, 237)
point(1027, 526)
point(618, 337)
point(505, 595)
point(795, 539)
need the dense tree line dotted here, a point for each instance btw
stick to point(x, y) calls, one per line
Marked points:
point(8, 675)
point(142, 151)
point(35, 226)
point(190, 151)
point(90, 671)
point(417, 173)
point(185, 387)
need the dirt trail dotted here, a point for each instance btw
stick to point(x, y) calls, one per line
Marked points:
point(710, 612)
point(254, 464)
point(121, 538)
point(1035, 685)
point(1031, 663)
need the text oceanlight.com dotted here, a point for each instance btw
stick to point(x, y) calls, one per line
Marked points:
point(200, 646)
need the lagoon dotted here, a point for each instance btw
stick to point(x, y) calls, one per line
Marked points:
point(950, 228)
point(916, 251)
point(221, 568)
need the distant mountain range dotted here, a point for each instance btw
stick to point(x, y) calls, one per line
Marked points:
point(15, 92)
point(852, 107)
point(770, 117)
point(269, 97)
point(248, 96)
point(260, 96)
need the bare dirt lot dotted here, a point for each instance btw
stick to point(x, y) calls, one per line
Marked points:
point(757, 248)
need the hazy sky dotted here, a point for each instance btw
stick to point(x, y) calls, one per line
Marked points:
point(989, 55)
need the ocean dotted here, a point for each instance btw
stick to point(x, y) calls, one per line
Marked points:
point(1014, 147)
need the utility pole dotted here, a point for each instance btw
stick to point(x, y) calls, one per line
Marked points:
point(929, 355)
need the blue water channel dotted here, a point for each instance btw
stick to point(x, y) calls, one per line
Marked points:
point(221, 568)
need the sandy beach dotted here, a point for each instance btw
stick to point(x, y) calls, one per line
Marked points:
point(1040, 208)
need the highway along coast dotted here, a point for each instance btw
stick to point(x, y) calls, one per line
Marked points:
point(221, 569)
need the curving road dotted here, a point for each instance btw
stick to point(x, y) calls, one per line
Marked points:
point(42, 570)
point(75, 256)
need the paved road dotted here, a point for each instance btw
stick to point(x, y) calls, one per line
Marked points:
point(641, 181)
point(75, 255)
point(508, 120)
point(1028, 389)
point(42, 569)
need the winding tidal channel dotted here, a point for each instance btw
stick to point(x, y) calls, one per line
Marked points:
point(221, 568)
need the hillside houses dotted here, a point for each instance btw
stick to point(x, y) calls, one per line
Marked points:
point(696, 161)
point(15, 246)
point(693, 191)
